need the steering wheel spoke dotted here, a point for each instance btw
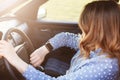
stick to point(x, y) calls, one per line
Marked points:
point(19, 46)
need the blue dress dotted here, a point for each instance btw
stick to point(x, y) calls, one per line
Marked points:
point(97, 67)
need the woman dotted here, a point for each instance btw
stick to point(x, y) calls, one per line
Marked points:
point(99, 54)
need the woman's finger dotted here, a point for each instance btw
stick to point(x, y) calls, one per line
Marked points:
point(37, 63)
point(36, 52)
point(35, 60)
point(33, 57)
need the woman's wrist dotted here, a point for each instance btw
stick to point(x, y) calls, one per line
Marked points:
point(46, 51)
point(18, 63)
point(49, 46)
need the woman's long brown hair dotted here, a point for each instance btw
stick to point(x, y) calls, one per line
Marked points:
point(100, 24)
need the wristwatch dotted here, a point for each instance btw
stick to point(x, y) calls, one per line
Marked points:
point(49, 46)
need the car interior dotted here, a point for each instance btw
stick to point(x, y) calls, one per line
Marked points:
point(26, 33)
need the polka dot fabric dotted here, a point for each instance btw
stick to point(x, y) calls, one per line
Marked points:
point(65, 39)
point(98, 67)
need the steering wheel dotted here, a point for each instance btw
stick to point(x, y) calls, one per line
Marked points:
point(26, 43)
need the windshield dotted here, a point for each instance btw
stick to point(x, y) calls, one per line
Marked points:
point(62, 10)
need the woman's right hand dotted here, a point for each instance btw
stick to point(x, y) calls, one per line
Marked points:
point(38, 56)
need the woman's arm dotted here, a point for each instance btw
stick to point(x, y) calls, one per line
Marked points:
point(98, 68)
point(104, 69)
point(65, 39)
point(59, 40)
point(7, 51)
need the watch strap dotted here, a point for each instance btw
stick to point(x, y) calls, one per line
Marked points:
point(49, 46)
